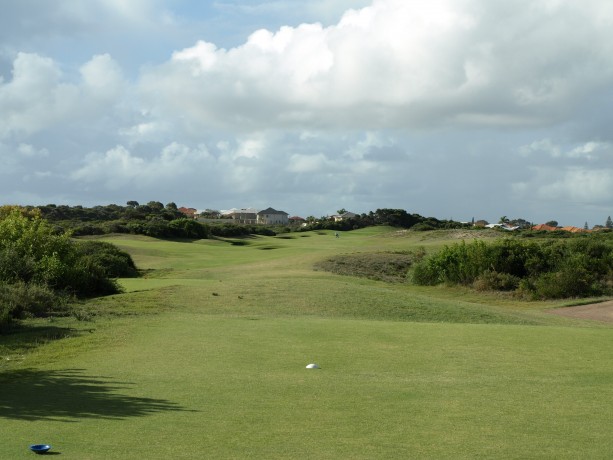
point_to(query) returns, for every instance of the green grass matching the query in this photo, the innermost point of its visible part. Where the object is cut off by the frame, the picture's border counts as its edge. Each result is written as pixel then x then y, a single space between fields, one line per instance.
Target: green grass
pixel 205 358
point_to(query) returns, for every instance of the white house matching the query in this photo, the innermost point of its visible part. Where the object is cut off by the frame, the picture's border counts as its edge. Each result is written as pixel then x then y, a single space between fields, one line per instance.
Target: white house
pixel 343 216
pixel 270 216
pixel 242 216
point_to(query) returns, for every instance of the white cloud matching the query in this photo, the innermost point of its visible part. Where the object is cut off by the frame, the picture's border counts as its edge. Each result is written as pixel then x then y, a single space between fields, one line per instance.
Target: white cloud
pixel 39 96
pixel 541 146
pixel 300 163
pixel 30 151
pixel 591 150
pixel 580 186
pixel 119 167
pixel 398 63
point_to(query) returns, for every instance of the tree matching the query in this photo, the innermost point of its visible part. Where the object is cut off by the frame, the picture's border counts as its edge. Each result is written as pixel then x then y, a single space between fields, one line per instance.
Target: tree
pixel 585 227
pixel 521 223
pixel 552 223
pixel 171 206
pixel 609 223
pixel 503 220
pixel 132 204
pixel 341 211
pixel 155 206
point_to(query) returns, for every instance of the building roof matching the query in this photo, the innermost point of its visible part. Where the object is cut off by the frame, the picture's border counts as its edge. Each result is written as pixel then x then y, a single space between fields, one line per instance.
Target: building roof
pixel 239 211
pixel 271 211
pixel 574 229
pixel 549 228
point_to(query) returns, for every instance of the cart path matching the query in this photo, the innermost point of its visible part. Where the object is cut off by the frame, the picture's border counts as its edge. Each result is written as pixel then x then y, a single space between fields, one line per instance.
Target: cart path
pixel 602 311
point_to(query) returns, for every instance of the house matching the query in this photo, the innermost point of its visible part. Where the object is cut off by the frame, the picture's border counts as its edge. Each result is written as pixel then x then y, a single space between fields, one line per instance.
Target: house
pixel 246 216
pixel 296 220
pixel 546 227
pixel 270 216
pixel 574 229
pixel 343 216
pixel 549 228
pixel 507 227
pixel 188 212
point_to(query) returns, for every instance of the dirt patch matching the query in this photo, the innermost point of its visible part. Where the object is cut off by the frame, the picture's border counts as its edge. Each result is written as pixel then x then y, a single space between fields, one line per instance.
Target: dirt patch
pixel 602 311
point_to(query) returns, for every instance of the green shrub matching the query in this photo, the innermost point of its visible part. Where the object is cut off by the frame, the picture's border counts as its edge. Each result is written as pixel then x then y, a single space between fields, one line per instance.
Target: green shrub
pixel 188 228
pixel 15 266
pixel 495 281
pixel 115 262
pixel 460 263
pixel 554 269
pixel 20 299
pixel 38 266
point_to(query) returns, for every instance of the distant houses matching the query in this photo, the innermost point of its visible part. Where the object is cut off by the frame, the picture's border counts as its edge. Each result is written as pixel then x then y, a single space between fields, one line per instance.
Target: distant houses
pixel 245 216
pixel 549 228
pixel 343 216
pixel 188 212
pixel 251 216
pixel 296 220
pixel 270 216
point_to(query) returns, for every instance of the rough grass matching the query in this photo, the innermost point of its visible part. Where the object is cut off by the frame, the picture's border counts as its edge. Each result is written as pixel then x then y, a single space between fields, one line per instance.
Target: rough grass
pixel 389 267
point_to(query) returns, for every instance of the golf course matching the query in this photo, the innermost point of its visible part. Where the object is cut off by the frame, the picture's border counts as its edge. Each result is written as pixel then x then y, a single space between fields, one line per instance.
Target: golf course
pixel 205 355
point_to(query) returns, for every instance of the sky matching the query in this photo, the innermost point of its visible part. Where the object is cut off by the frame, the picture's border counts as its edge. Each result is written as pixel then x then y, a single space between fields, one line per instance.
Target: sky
pixel 455 109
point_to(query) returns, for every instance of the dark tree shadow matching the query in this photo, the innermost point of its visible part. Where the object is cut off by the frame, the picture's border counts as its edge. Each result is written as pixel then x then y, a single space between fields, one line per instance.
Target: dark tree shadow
pixel 69 395
pixel 25 337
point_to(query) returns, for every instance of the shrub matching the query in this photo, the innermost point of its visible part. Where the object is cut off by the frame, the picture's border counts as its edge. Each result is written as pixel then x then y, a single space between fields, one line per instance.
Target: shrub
pixel 460 263
pixel 555 269
pixel 114 262
pixel 188 228
pixel 38 267
pixel 494 281
pixel 14 266
pixel 20 299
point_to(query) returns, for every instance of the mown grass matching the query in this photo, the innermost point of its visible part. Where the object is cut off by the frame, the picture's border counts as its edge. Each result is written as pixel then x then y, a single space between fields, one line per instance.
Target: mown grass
pixel 205 357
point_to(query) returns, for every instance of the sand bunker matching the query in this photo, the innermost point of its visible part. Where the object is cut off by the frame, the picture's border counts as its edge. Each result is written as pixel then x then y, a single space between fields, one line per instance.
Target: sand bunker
pixel 602 311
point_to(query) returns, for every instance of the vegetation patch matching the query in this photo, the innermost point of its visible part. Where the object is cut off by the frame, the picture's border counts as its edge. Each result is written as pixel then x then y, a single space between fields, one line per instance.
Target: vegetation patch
pixel 552 269
pixel 41 268
pixel 391 267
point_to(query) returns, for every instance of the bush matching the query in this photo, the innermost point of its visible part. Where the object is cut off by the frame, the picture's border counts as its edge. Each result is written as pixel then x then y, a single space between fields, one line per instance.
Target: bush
pixel 555 269
pixel 39 267
pixel 188 228
pixel 18 300
pixel 114 262
pixel 494 281
pixel 14 266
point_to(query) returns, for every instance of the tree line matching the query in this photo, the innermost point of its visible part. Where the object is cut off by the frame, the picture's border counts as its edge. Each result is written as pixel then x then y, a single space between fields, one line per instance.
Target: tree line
pixel 166 221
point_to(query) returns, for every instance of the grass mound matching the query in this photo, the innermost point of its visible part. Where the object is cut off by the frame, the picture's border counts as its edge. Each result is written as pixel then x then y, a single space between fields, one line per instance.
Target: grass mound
pixel 389 267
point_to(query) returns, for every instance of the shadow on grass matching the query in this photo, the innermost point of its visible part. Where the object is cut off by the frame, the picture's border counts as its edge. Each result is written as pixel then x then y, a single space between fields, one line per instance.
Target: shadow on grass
pixel 69 395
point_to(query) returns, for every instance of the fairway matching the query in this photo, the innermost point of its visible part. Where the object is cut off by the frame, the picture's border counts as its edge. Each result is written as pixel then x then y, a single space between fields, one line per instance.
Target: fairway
pixel 205 357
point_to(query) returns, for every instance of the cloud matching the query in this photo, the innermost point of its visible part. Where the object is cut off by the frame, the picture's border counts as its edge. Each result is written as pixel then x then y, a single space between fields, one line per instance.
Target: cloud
pixel 39 96
pixel 30 151
pixel 300 163
pixel 580 185
pixel 398 64
pixel 118 167
pixel 591 150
